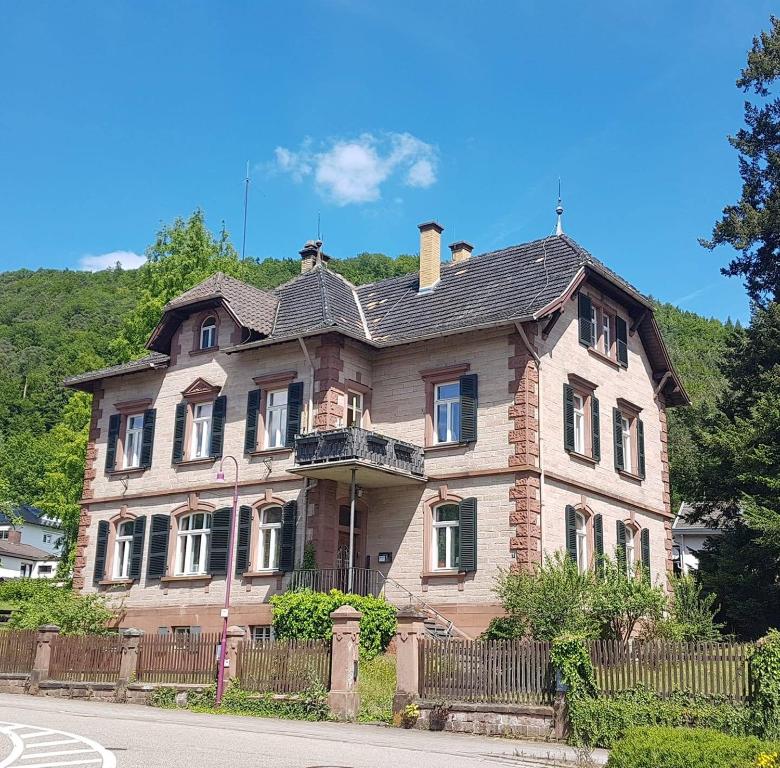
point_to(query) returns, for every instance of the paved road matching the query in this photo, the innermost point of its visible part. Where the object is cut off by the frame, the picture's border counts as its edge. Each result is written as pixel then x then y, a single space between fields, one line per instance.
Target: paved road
pixel 130 736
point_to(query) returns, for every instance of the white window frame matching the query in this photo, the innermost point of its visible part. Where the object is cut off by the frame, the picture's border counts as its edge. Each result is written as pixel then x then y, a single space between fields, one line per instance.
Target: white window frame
pixel 448 526
pixel 630 551
pixel 594 324
pixel 354 408
pixel 4 533
pixel 580 429
pixel 123 547
pixel 185 545
pixel 134 437
pixel 626 439
pixel 452 406
pixel 261 633
pixel 581 530
pixel 274 536
pixel 200 442
pixel 276 419
pixel 47 538
pixel 208 333
pixel 606 333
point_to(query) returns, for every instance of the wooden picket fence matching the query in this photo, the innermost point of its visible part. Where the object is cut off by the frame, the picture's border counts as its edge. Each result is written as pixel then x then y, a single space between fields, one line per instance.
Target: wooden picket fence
pixel 494 671
pixel 283 666
pixel 93 658
pixel 706 668
pixel 176 659
pixel 17 651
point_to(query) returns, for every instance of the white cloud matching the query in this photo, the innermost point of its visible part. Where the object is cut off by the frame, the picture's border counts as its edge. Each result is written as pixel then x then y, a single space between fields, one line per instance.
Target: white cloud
pixel 354 170
pixel 127 259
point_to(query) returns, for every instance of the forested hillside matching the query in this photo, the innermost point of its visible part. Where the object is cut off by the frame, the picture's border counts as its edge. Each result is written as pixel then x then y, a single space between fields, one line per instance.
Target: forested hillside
pixel 56 323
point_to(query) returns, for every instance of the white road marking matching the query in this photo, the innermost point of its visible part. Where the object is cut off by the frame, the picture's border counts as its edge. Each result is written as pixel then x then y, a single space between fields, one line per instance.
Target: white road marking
pixel 25 749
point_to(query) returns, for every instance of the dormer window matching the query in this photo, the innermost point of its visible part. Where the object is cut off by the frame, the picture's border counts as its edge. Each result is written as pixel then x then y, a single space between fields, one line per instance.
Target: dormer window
pixel 208 333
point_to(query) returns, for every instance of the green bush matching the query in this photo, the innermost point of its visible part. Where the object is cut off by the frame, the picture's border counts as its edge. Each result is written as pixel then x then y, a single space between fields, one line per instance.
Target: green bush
pixel 503 628
pixel 764 665
pixel 376 686
pixel 691 614
pixel 305 614
pixel 569 655
pixel 686 748
pixel 602 721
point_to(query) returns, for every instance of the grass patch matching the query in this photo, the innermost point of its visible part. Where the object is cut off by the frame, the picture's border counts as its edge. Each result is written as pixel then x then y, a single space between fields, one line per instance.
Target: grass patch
pixel 376 685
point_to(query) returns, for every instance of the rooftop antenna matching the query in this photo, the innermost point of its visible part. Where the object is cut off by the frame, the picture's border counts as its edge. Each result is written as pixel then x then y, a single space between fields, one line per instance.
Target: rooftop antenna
pixel 246 206
pixel 559 211
pixel 319 234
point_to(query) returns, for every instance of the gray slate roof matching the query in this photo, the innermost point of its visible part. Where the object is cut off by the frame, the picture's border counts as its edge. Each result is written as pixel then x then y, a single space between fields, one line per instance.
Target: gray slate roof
pixel 25 551
pixel 31 516
pixel 146 363
pixel 687 519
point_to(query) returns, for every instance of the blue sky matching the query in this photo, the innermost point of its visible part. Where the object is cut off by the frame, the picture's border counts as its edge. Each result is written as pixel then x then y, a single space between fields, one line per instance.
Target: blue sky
pixel 116 117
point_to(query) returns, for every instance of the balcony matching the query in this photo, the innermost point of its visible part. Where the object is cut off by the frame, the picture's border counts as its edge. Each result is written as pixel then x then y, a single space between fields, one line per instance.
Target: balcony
pixel 364 581
pixel 378 461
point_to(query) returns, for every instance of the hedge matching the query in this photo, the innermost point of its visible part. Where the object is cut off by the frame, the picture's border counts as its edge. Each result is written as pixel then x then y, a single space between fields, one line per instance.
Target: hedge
pixel 689 748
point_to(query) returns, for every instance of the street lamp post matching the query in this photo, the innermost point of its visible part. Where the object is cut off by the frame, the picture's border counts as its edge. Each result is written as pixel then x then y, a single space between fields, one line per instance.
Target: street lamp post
pixel 228 580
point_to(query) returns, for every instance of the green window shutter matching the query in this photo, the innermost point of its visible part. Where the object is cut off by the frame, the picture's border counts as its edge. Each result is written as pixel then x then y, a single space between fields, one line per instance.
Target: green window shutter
pixel 645 548
pixel 620 549
pixel 252 413
pixel 219 545
pixel 101 546
pixel 640 449
pixel 114 423
pixel 568 417
pixel 468 408
pixel 287 544
pixel 467 536
pixel 179 424
pixel 294 411
pixel 157 561
pixel 617 430
pixel 598 542
pixel 571 532
pixel 595 428
pixel 137 547
pixel 244 539
pixel 586 328
pixel 621 334
pixel 147 440
pixel 218 426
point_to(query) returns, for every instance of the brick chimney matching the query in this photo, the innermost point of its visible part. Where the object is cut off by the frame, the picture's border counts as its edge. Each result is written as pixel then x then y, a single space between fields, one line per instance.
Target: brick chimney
pixel 311 255
pixel 14 536
pixel 461 251
pixel 430 255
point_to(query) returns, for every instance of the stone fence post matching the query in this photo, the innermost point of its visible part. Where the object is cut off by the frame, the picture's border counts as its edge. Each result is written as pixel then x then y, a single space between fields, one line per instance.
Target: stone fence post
pixel 343 699
pixel 407 654
pixel 40 670
pixel 235 635
pixel 128 663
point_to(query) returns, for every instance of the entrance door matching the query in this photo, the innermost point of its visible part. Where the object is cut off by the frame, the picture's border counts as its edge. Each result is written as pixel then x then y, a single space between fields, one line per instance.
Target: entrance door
pixel 342 553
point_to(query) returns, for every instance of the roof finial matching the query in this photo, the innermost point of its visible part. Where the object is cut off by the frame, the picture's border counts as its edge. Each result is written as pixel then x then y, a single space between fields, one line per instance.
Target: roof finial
pixel 559 211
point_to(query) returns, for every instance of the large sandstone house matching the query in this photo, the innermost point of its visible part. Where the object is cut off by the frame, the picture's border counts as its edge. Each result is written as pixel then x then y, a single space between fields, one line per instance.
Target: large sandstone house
pixel 486 412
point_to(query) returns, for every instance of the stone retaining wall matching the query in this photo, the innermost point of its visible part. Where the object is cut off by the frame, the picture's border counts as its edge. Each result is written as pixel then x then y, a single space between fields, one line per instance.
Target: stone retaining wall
pixel 516 721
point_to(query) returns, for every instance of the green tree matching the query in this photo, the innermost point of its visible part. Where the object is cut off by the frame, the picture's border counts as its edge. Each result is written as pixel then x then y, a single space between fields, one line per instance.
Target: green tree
pixel 752 226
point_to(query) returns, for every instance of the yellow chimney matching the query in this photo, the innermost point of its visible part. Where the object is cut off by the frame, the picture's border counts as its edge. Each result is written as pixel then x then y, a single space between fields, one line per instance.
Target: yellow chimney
pixel 461 250
pixel 430 255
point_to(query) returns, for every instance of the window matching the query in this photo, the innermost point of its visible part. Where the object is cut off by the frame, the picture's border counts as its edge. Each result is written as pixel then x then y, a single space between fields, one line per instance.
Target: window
pixel 276 419
pixel 446 531
pixel 123 546
pixel 262 632
pixel 25 570
pixel 606 335
pixel 630 553
pixel 183 637
pixel 192 544
pixel 625 437
pixel 4 533
pixel 201 430
pixel 133 440
pixel 354 409
pixel 594 323
pixel 579 423
pixel 208 333
pixel 44 570
pixel 446 413
pixel 47 537
pixel 270 538
pixel 582 542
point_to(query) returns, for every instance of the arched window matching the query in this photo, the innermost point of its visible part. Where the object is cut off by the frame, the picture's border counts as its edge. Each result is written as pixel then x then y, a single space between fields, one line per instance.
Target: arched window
pixel 192 543
pixel 270 538
pixel 446 537
pixel 208 333
pixel 630 552
pixel 123 545
pixel 581 528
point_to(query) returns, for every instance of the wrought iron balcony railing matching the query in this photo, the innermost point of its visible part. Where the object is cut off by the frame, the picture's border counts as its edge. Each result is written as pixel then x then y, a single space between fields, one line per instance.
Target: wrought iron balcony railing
pixel 365 582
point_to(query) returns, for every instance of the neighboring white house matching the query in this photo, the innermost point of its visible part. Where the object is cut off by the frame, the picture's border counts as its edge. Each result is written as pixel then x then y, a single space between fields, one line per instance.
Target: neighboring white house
pixel 29 544
pixel 689 537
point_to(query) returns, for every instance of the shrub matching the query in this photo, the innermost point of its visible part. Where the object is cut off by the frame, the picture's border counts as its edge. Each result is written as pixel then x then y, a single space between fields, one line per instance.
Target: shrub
pixel 305 614
pixel 503 628
pixel 600 722
pixel 691 614
pixel 764 665
pixel 570 657
pixel 686 748
pixel 376 686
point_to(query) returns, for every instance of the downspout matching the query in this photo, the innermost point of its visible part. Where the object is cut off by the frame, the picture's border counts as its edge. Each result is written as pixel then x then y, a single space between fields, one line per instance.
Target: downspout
pixel 307 483
pixel 539 409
